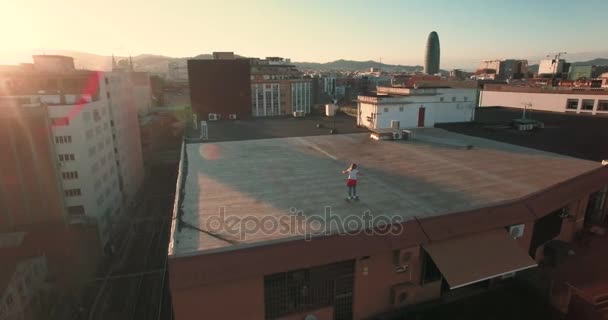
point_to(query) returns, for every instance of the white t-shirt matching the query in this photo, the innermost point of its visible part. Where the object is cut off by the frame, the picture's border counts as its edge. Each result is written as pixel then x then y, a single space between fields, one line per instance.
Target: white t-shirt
pixel 352 174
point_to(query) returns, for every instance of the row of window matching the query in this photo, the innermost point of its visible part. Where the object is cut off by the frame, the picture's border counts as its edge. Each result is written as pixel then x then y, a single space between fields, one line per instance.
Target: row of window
pixel 586 104
pixel 72 192
pixel 70 175
pixel 63 139
pixel 66 157
pixel 441 99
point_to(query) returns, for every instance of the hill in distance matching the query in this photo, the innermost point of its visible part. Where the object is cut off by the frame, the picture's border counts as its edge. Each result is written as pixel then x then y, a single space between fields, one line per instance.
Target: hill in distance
pixel 158 64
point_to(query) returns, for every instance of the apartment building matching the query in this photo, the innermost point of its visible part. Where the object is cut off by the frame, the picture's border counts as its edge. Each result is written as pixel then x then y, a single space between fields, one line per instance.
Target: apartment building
pixel 278 88
pixel 231 88
pixel 94 133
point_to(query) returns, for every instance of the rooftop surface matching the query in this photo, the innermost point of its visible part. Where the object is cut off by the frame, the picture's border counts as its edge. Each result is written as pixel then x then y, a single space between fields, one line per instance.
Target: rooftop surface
pixel 289 179
pixel 265 128
pixel 576 135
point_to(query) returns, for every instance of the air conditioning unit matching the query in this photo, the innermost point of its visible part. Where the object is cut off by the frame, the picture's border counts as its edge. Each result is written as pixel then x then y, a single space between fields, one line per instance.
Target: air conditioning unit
pixel 298 114
pixel 396 135
pixel 405 258
pixel 406 134
pixel 232 116
pixel 516 231
pixel 213 117
pixel 402 294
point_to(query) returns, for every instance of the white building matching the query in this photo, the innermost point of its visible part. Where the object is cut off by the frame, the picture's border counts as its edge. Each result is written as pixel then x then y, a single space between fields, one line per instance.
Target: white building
pixel 95 128
pixel 411 107
pixel 551 66
pixel 578 100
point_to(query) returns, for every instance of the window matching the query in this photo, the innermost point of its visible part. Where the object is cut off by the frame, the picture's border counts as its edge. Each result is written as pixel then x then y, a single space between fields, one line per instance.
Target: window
pixel 466 98
pixel 441 99
pixel 587 104
pixel 89 134
pixel 108 95
pixel 70 175
pixel 71 192
pixel 572 104
pixel 63 139
pixel 309 289
pixel 61 121
pixel 76 210
pixel 385 109
pixel 400 109
pixel 453 99
pixel 602 105
pixel 86 116
pixel 66 157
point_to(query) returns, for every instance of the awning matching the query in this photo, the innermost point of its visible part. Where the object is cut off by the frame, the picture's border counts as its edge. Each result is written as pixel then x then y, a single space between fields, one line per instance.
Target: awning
pixel 471 259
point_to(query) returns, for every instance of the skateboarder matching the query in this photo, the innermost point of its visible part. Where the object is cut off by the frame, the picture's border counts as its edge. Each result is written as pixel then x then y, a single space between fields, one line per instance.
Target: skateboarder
pixel 351 182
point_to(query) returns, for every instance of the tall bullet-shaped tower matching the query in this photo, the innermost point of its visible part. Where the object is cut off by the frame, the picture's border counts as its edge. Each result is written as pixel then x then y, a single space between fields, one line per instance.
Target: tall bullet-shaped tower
pixel 431 58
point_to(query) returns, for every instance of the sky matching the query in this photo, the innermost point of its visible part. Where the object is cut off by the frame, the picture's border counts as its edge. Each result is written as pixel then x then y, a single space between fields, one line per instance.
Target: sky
pixel 311 30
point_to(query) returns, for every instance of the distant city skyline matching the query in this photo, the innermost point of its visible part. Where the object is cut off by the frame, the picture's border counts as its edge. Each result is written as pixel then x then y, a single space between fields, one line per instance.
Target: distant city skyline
pixel 313 31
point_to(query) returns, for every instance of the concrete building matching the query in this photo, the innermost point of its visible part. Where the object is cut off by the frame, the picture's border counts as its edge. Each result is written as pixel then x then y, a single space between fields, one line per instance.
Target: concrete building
pixel 472 217
pixel 586 72
pixel 31 191
pixel 552 67
pixel 95 136
pixel 592 101
pixel 415 107
pixel 220 89
pixel 278 88
pixel 507 69
pixel 458 74
pixel 432 54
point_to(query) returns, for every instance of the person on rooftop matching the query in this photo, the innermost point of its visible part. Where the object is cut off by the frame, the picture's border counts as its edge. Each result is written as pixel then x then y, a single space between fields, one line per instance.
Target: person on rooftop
pixel 351 182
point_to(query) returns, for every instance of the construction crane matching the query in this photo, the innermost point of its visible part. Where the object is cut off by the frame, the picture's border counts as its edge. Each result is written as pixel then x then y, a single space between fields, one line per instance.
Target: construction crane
pixel 556 56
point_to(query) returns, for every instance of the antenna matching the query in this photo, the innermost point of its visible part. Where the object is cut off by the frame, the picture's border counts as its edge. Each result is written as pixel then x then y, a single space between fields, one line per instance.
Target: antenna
pixel 526 106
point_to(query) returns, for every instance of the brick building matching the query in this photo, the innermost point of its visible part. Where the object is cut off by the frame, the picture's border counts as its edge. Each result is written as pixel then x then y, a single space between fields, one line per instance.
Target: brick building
pixel 469 217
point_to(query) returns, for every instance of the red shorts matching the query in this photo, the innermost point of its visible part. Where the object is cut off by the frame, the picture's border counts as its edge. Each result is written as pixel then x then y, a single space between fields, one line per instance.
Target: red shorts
pixel 351 182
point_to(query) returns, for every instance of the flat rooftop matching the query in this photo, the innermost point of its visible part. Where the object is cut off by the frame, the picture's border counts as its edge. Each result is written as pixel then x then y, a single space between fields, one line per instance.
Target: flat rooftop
pixel 576 135
pixel 289 179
